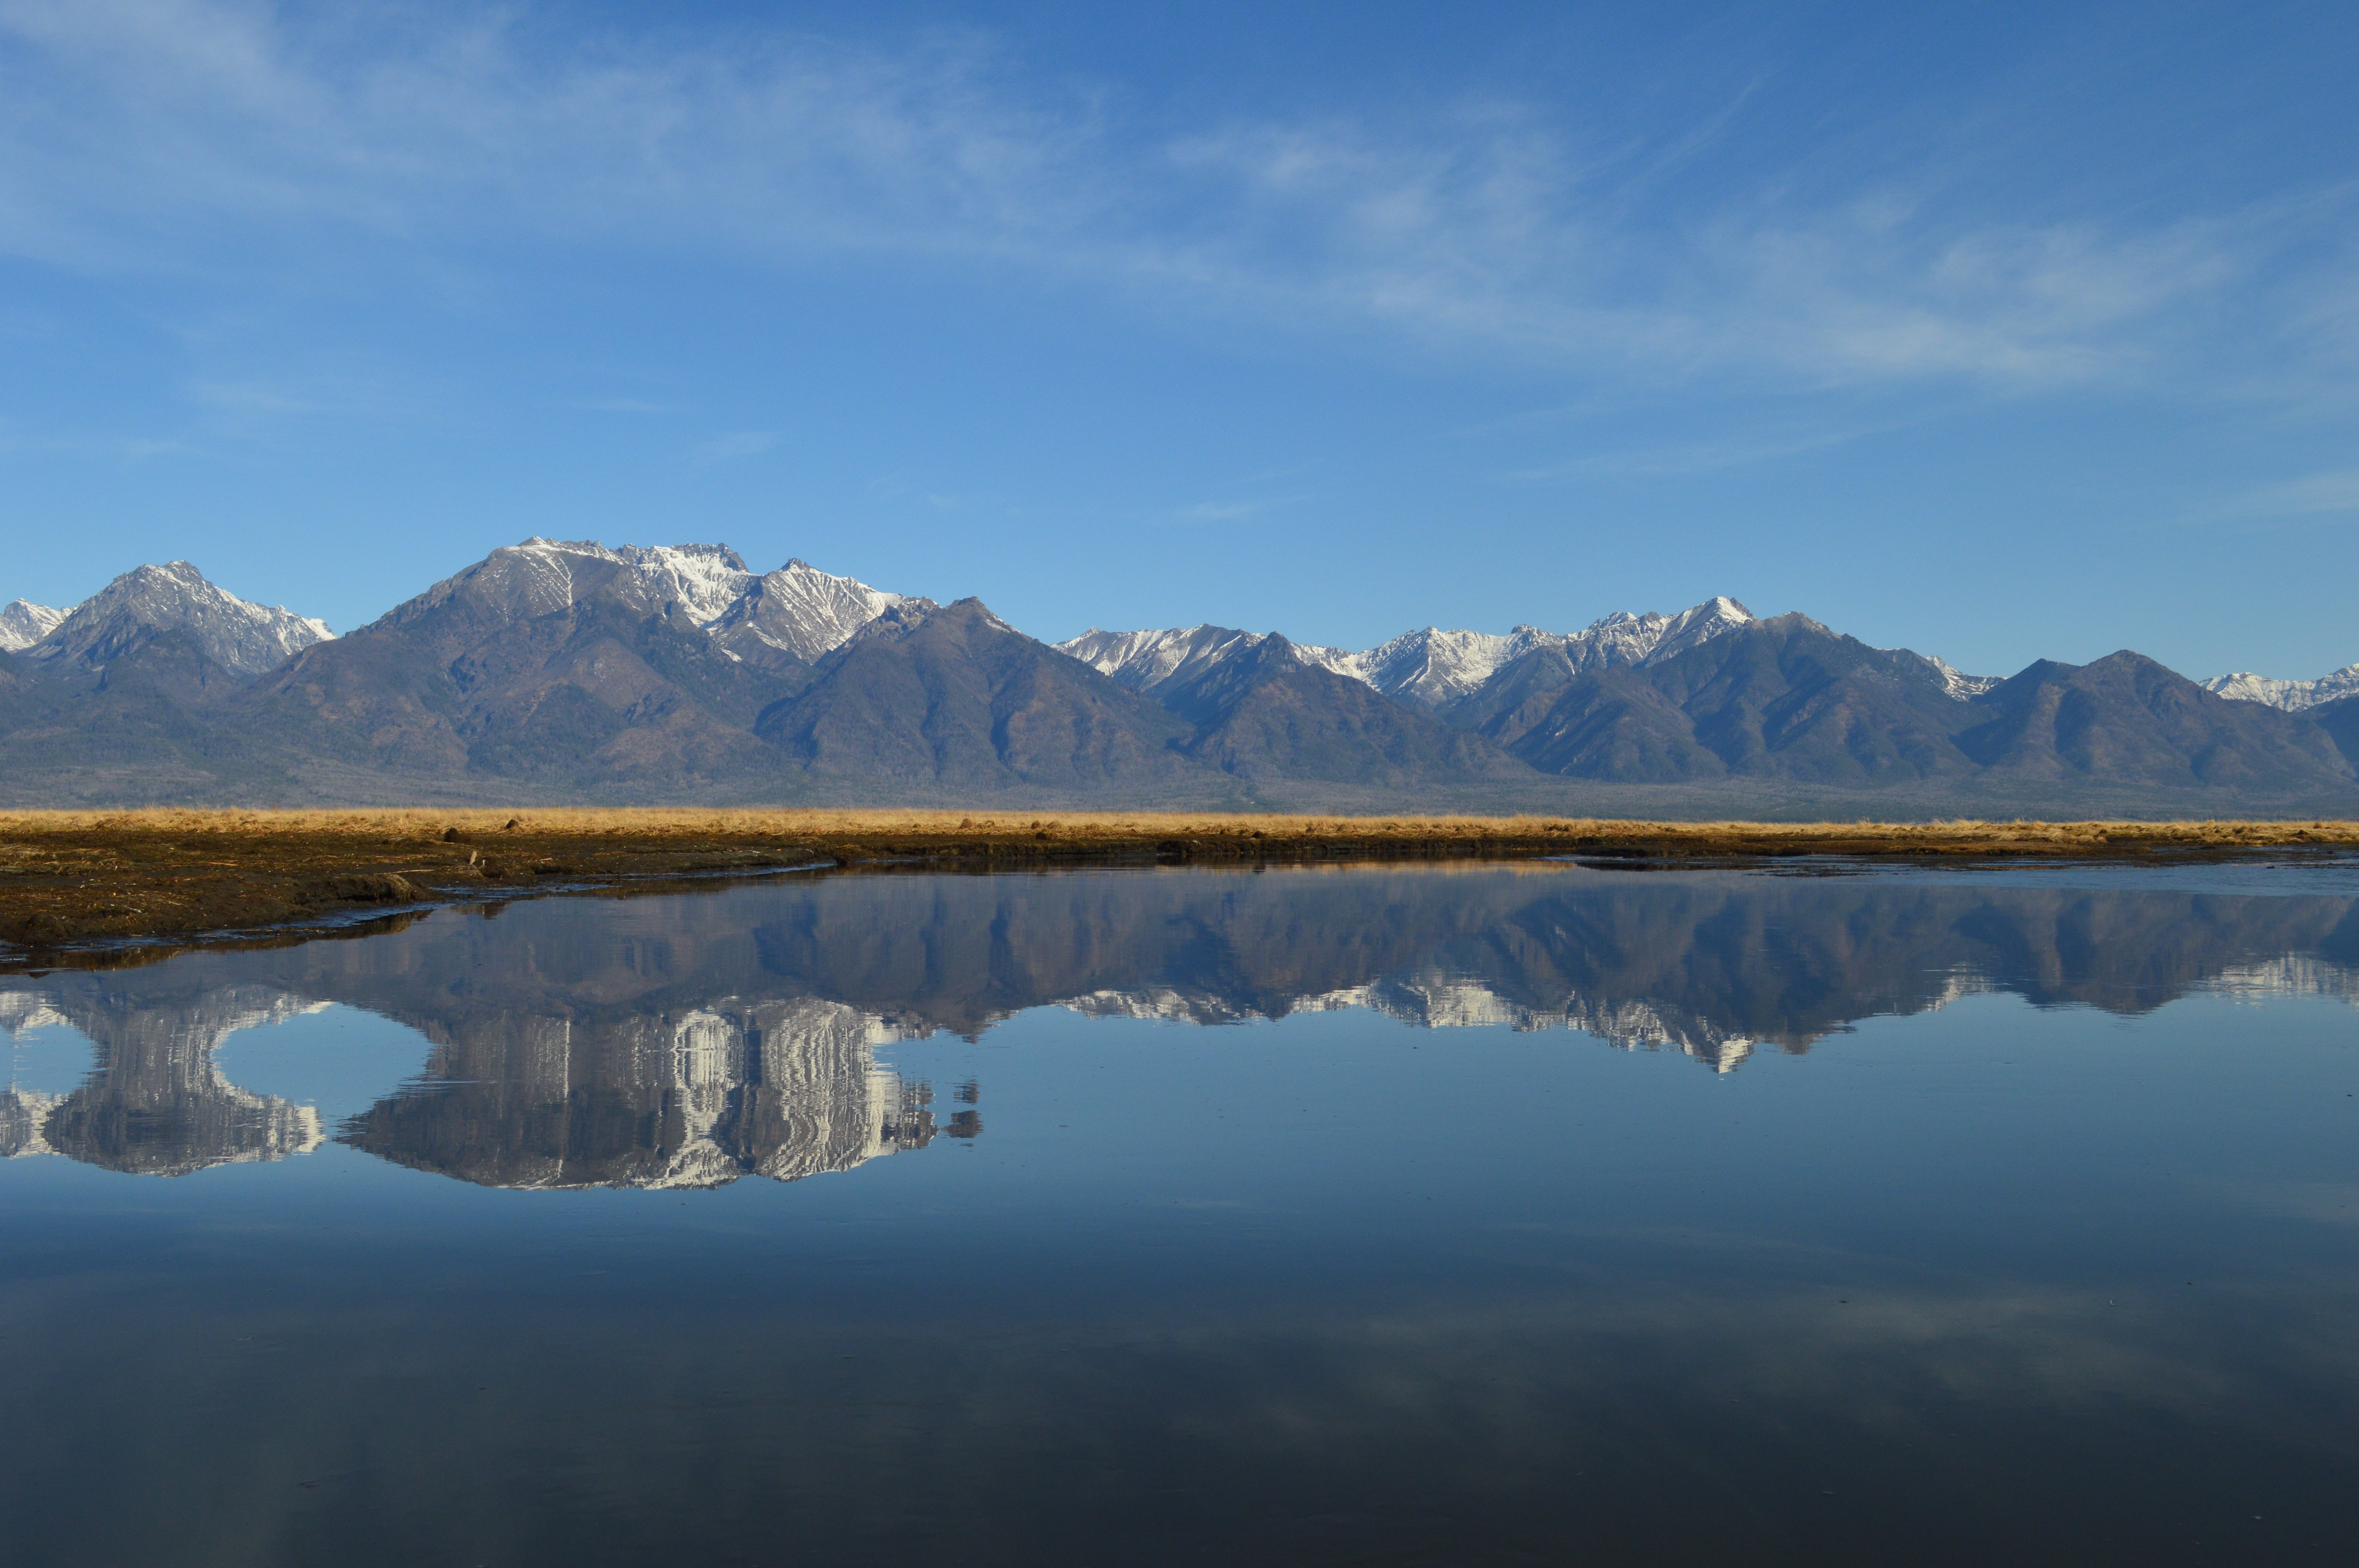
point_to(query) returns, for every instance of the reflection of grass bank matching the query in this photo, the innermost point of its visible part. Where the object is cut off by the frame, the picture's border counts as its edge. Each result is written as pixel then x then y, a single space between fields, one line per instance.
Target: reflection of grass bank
pixel 69 877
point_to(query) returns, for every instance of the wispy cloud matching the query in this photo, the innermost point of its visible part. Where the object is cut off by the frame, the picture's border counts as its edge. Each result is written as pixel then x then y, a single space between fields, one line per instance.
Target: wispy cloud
pixel 203 135
pixel 736 444
pixel 114 446
pixel 2312 495
pixel 1231 511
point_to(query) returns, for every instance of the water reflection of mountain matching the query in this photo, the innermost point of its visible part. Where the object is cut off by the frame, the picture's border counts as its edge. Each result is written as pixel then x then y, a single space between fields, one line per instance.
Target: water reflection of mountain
pixel 155 1103
pixel 783 1089
pixel 691 1040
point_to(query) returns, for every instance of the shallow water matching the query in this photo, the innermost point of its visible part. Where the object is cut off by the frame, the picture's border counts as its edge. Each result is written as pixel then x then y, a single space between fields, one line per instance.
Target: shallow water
pixel 1537 1214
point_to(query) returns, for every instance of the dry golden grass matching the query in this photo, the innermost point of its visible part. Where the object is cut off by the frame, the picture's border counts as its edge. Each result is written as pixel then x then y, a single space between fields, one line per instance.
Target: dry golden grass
pixel 667 823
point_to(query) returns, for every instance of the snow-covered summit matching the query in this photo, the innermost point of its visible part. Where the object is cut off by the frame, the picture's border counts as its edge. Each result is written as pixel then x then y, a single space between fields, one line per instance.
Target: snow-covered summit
pixel 244 638
pixel 801 611
pixel 1146 660
pixel 1432 667
pixel 703 581
pixel 2293 696
pixel 543 575
pixel 1622 638
pixel 797 610
pixel 24 624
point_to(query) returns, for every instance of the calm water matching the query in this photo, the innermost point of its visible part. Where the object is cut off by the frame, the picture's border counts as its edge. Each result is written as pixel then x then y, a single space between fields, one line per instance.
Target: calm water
pixel 1545 1214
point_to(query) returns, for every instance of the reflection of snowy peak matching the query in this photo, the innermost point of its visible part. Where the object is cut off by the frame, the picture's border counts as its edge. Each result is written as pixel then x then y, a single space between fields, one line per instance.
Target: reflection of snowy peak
pixel 2293 975
pixel 21 1010
pixel 782 1089
pixel 22 1114
pixel 2293 696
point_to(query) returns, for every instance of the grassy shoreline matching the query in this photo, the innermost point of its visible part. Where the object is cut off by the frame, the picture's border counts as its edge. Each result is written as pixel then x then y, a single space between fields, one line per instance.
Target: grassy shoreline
pixel 78 878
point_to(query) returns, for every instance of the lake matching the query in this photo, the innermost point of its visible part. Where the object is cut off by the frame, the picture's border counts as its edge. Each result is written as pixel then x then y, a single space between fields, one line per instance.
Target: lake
pixel 1540 1213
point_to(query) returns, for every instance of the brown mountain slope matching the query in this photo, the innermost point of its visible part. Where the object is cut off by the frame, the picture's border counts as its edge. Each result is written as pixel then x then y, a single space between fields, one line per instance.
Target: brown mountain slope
pixel 2125 718
pixel 1264 713
pixel 955 697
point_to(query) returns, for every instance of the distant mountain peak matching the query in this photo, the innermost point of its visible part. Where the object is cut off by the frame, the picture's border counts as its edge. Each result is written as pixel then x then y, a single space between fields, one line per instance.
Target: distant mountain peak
pixel 2292 695
pixel 24 624
pixel 1432 666
pixel 797 611
pixel 802 612
pixel 242 637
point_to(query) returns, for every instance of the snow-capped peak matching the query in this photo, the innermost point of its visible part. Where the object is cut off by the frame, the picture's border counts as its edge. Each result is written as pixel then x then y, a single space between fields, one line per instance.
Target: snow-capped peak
pixel 1622 638
pixel 803 611
pixel 1146 660
pixel 797 610
pixel 242 637
pixel 704 580
pixel 1432 666
pixel 24 624
pixel 2293 696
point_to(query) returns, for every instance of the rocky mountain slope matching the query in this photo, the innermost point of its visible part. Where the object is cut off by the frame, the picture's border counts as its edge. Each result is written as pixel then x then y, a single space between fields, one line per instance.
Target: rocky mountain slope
pixel 152 602
pixel 562 670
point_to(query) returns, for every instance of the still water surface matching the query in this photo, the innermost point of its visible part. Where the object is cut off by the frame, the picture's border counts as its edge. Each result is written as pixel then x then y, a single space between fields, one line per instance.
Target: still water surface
pixel 1543 1214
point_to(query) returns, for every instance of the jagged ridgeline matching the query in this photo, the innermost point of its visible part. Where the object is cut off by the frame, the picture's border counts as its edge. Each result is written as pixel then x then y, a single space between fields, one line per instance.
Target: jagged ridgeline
pixel 556 672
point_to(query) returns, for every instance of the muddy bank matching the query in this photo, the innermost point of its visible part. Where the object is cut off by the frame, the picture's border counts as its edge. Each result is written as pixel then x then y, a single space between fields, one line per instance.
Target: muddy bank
pixel 81 880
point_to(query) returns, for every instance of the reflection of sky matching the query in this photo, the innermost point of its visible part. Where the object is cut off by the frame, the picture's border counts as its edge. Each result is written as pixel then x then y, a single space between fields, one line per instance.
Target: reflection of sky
pixel 1330 1284
pixel 1435 1285
pixel 2294 875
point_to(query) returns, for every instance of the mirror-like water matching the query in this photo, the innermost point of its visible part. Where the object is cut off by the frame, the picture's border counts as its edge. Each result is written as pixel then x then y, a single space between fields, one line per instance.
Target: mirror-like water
pixel 1930 1218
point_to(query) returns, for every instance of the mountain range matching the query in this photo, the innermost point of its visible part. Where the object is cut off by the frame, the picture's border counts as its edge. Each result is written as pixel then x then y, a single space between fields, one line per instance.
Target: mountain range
pixel 556 671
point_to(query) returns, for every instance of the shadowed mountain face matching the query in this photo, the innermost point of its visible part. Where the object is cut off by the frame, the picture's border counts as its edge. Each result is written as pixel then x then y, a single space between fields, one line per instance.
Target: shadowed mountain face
pixel 1788 699
pixel 1266 712
pixel 501 671
pixel 2126 717
pixel 686 1041
pixel 955 697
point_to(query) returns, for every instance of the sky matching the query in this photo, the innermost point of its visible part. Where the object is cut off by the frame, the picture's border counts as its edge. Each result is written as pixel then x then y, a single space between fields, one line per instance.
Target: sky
pixel 1997 331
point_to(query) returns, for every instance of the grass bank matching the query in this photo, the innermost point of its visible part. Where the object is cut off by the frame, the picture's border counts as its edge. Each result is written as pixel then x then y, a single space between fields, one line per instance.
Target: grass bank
pixel 75 879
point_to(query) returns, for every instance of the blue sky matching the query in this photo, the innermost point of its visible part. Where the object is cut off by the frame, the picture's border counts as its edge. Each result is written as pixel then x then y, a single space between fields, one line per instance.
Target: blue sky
pixel 1995 332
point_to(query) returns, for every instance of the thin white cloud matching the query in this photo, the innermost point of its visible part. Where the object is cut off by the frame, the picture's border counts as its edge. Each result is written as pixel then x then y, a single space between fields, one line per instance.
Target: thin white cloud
pixel 1231 511
pixel 2312 495
pixel 736 444
pixel 228 137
